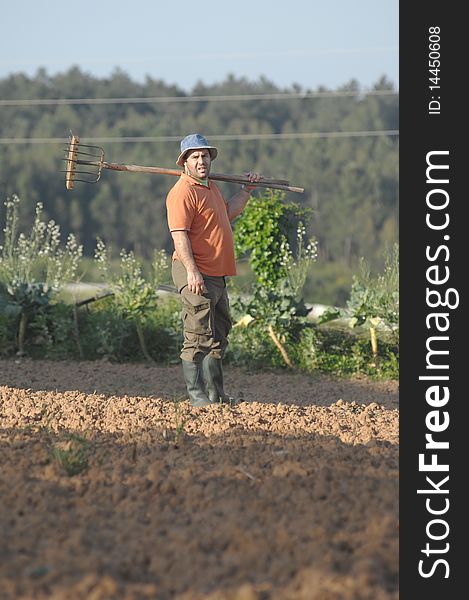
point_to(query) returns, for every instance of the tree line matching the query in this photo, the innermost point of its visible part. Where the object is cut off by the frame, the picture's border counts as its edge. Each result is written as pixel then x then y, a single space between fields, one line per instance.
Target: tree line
pixel 351 182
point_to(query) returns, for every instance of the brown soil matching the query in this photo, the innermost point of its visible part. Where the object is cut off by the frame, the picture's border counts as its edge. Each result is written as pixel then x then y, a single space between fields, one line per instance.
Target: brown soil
pixel 290 495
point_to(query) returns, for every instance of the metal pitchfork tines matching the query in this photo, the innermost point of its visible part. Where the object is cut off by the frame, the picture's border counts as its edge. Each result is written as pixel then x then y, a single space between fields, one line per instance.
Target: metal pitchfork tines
pixel 94 163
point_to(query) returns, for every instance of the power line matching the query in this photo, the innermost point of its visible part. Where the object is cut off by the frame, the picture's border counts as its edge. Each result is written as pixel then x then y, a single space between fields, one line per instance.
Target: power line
pixel 219 137
pixel 177 99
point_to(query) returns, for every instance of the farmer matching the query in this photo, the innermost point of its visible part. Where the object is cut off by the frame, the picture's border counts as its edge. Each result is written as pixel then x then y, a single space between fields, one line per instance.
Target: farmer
pixel 199 221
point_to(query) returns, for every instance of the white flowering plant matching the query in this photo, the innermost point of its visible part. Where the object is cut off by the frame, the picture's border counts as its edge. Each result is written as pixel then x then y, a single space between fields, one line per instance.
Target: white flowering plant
pixel 134 295
pixel 298 262
pixel 33 268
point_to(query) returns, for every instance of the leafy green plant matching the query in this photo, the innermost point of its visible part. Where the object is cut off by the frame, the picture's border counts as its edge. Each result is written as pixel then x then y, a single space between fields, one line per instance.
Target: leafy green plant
pixel 53 333
pixel 105 334
pixel 134 297
pixel 274 236
pixel 266 232
pixel 343 351
pixel 72 454
pixel 278 311
pixel 164 323
pixel 374 301
pixel 33 268
pixel 252 347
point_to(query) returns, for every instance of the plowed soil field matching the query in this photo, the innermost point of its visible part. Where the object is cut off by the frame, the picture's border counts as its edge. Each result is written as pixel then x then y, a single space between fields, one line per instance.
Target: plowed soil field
pixel 112 487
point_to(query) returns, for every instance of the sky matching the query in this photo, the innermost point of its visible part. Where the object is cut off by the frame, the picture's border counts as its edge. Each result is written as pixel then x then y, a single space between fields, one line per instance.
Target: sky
pixel 310 43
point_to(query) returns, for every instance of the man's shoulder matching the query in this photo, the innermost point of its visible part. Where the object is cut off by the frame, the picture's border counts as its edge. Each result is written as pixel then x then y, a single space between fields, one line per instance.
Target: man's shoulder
pixel 180 183
pixel 181 188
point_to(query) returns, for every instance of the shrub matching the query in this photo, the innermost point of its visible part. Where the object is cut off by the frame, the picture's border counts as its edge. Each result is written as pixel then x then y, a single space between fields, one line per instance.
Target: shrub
pixel 33 268
pixel 374 301
pixel 266 232
pixel 273 235
pixel 134 297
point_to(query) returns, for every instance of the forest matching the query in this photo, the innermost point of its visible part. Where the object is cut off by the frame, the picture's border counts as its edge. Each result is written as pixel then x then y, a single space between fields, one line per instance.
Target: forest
pixel 340 145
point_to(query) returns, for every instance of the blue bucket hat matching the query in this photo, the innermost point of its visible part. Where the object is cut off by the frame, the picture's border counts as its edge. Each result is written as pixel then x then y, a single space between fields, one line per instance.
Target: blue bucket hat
pixel 195 141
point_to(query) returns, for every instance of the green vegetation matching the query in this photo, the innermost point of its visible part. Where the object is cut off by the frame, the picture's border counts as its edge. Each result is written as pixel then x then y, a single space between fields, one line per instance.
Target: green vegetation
pixel 133 297
pixel 280 261
pixel 351 182
pixel 26 258
pixel 374 302
pixel 272 324
pixel 71 453
pixel 267 232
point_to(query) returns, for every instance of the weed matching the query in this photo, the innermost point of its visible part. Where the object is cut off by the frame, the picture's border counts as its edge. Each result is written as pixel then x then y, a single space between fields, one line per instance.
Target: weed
pixel 24 259
pixel 180 419
pixel 134 296
pixel 72 454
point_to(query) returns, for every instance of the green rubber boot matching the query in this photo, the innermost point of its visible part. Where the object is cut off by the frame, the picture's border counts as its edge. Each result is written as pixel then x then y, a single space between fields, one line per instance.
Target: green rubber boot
pixel 213 376
pixel 195 384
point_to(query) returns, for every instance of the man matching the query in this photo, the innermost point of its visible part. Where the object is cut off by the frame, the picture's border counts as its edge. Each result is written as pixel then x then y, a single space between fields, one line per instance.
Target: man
pixel 199 220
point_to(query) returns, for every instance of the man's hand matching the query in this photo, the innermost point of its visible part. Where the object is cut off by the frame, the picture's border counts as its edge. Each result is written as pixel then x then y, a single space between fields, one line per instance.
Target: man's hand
pixel 253 178
pixel 195 282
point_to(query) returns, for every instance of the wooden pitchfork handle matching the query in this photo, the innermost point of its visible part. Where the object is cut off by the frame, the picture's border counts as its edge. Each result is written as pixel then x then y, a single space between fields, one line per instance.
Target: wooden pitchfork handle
pixel 278 184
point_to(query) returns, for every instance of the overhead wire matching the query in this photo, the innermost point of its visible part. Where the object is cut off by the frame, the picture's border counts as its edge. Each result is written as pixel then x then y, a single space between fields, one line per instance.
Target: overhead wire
pixel 182 99
pixel 215 137
pixel 219 137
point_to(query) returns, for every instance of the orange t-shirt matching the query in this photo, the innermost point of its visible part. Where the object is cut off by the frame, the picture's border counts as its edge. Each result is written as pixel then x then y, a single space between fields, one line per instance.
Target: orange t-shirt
pixel 203 213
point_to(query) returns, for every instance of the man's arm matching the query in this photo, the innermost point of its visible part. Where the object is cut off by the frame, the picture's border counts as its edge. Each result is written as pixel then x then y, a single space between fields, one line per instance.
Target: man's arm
pixel 182 245
pixel 238 202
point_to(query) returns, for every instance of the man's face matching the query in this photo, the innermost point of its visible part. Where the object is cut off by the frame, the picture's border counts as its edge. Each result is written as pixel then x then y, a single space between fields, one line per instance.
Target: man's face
pixel 198 163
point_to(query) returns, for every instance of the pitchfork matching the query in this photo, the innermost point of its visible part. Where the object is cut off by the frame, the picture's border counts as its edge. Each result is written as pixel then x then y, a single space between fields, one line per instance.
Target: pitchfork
pixel 88 162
